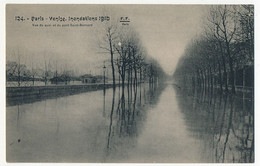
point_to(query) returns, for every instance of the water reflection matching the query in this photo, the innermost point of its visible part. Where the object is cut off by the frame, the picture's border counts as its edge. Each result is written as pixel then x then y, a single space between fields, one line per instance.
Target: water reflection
pixel 100 126
pixel 111 118
pixel 144 124
pixel 224 124
pixel 127 119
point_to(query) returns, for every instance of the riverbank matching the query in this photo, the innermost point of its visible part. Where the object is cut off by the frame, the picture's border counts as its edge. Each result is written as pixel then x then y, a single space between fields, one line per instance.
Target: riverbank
pixel 19 95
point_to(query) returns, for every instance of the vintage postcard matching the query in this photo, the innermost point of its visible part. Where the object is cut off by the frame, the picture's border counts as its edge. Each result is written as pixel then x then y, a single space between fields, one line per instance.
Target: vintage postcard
pixel 130 83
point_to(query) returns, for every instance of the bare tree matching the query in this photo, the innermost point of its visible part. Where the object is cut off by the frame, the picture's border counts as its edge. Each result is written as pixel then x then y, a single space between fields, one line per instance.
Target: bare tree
pixel 107 44
pixel 225 47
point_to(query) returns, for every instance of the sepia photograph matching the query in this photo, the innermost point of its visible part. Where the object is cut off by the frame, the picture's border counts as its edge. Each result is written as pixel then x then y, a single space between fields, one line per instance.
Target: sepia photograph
pixel 130 83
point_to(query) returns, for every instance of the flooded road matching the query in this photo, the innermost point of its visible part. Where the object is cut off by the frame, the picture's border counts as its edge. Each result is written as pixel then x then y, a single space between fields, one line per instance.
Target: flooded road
pixel 147 124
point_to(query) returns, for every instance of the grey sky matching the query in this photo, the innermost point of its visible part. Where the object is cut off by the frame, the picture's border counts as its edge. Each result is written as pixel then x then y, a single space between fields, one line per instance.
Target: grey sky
pixel 165 30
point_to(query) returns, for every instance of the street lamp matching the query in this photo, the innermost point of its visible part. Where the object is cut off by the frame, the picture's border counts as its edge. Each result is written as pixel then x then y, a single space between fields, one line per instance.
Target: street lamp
pixel 104 74
pixel 120 45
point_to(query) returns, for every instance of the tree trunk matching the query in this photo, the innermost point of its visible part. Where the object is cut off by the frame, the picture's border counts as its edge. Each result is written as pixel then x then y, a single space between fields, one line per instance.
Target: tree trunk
pixel 123 81
pixel 231 68
pixel 140 79
pixel 235 77
pixel 244 78
pixel 224 66
pixel 112 61
pixel 220 77
pixel 232 76
pixel 198 78
pixel 211 78
pixel 202 79
pixel 119 79
pixel 135 79
pixel 128 78
pixel 131 78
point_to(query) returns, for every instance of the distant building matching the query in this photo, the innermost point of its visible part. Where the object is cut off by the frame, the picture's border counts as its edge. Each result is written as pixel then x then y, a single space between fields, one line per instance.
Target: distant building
pixel 56 80
pixel 60 79
pixel 88 78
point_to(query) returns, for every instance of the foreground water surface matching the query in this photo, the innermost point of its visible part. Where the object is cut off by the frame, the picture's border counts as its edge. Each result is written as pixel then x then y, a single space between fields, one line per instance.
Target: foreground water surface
pixel 149 124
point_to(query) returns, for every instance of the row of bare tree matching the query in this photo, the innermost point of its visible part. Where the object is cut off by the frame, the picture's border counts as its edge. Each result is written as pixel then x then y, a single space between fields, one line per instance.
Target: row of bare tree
pixel 225 49
pixel 129 59
pixel 20 73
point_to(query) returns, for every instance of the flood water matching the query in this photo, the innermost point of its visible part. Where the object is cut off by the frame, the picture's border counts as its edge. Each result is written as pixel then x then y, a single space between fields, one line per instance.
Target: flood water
pixel 150 124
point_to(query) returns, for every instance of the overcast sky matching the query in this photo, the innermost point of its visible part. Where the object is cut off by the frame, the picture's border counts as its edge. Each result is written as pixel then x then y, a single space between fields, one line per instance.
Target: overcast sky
pixel 165 30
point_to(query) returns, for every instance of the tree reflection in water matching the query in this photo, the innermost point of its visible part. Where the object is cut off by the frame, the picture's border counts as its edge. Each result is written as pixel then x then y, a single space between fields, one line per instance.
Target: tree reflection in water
pixel 127 117
pixel 223 123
